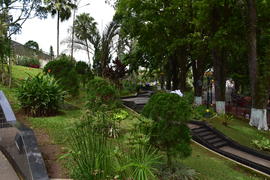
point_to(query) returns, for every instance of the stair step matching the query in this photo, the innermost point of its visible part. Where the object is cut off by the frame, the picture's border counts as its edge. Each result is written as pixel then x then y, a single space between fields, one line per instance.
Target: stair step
pixel 220 144
pixel 198 130
pixel 212 136
pixel 214 140
pixel 205 133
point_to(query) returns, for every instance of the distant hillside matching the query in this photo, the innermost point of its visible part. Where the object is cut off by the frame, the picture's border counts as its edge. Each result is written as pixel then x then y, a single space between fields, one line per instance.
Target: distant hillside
pixel 21 50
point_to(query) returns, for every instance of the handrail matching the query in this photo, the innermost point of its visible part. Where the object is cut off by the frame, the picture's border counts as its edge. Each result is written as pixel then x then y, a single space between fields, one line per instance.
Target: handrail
pixel 10 117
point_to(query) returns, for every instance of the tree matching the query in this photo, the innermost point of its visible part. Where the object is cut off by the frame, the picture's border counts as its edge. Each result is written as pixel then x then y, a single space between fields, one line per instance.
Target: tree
pixel 258 60
pixel 13 14
pixel 51 53
pixel 169 132
pixel 32 44
pixel 84 29
pixel 60 8
pixel 161 31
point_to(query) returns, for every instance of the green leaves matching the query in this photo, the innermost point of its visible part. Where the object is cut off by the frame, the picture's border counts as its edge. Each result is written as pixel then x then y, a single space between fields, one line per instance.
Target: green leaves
pixel 102 95
pixel 262 143
pixel 63 69
pixel 40 95
pixel 169 132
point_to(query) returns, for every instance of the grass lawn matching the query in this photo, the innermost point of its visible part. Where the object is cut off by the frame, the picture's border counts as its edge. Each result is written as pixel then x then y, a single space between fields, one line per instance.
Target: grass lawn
pixel 21 72
pixel 213 167
pixel 239 130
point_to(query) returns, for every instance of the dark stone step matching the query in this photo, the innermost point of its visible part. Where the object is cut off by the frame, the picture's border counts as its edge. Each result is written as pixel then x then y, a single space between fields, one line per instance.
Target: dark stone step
pixel 214 140
pixel 220 144
pixel 198 130
pixel 205 133
pixel 211 136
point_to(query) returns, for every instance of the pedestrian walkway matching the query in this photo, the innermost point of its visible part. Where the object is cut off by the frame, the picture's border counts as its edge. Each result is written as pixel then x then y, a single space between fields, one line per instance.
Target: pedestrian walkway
pixel 6 170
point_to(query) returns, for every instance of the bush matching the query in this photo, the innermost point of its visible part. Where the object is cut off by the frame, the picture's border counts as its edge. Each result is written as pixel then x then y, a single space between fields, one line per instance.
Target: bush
pixel 169 131
pixel 262 143
pixel 84 71
pixel 129 87
pixel 102 95
pixel 40 95
pixel 139 163
pixel 28 62
pixel 91 153
pixel 63 69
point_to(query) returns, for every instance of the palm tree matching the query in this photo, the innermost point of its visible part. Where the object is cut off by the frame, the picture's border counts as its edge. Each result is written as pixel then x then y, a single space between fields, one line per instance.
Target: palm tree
pixel 61 8
pixel 101 46
pixel 107 45
pixel 85 29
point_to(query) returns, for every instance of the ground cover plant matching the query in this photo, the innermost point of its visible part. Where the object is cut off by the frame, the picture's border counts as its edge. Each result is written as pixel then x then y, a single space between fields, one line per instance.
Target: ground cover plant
pixel 40 95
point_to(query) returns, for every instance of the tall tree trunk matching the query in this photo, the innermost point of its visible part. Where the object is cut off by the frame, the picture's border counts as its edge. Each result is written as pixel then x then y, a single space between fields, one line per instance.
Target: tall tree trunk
pixel 183 67
pixel 58 22
pixel 198 70
pixel 219 58
pixel 218 55
pixel 252 43
pixel 175 72
pixel 88 53
pixel 168 73
pixel 258 117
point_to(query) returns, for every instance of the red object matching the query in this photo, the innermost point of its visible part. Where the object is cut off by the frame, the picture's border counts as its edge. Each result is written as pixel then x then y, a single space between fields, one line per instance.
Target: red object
pixel 34 66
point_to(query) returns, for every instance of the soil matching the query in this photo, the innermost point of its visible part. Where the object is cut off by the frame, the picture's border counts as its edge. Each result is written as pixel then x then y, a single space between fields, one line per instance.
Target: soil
pixel 50 151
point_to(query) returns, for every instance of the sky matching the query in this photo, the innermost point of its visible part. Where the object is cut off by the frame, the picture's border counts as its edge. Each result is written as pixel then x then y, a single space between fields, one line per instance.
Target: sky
pixel 44 31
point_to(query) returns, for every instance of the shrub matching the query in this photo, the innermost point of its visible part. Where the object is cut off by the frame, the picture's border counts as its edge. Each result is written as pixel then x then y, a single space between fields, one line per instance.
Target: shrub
pixel 139 163
pixel 263 144
pixel 102 95
pixel 28 62
pixel 63 69
pixel 40 95
pixel 91 153
pixel 129 87
pixel 169 131
pixel 84 71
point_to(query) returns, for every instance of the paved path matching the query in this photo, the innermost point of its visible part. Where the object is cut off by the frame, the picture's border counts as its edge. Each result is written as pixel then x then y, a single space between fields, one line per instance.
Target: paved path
pixel 6 170
pixel 247 156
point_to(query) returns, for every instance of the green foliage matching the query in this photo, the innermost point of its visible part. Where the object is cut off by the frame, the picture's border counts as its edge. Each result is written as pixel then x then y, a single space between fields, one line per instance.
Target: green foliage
pixel 225 119
pixel 40 95
pixel 105 123
pixel 129 86
pixel 84 71
pixel 102 95
pixel 139 163
pixel 91 153
pixel 28 62
pixel 180 172
pixel 63 69
pixel 32 44
pixel 169 131
pixel 262 143
pixel 198 112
